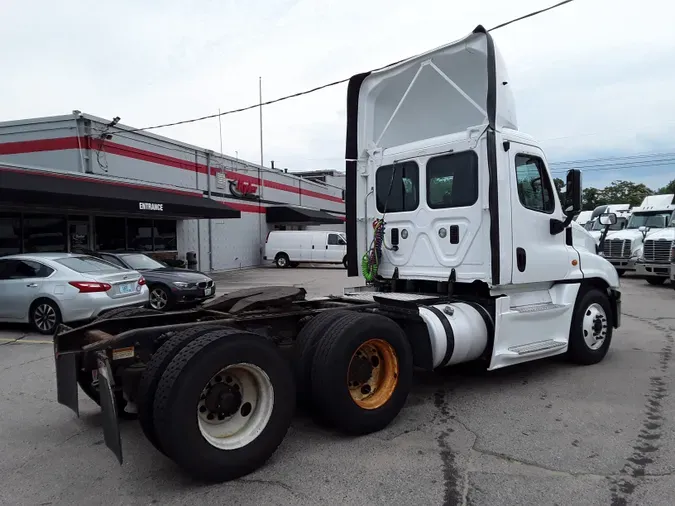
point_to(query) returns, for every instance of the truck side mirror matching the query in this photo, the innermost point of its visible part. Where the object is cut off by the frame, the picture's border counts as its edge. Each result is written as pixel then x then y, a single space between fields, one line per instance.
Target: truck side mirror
pixel 642 229
pixel 573 192
pixel 607 219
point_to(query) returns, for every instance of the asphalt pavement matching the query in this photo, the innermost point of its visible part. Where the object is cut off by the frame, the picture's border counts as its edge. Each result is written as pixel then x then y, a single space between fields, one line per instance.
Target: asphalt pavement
pixel 544 433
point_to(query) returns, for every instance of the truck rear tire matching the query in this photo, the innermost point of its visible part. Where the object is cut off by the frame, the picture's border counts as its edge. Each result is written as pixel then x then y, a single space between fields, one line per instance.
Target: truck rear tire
pixel 362 373
pixel 152 375
pixel 653 280
pixel 591 330
pixel 305 348
pixel 224 404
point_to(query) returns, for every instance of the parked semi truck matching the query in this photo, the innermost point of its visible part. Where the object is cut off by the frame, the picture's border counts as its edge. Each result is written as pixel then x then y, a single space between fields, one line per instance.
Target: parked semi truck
pixel 467 254
pixel 595 227
pixel 624 247
pixel 659 238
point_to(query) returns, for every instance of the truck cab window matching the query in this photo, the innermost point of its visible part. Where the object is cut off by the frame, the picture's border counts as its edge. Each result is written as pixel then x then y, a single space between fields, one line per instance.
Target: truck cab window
pixel 452 180
pixel 333 240
pixel 397 187
pixel 534 186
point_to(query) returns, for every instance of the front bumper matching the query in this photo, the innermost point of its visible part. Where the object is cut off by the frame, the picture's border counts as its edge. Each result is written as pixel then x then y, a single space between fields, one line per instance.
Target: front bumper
pixel 186 296
pixel 626 264
pixel 653 269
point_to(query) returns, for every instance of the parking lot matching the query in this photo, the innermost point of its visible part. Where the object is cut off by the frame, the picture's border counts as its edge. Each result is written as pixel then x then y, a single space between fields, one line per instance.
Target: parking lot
pixel 543 433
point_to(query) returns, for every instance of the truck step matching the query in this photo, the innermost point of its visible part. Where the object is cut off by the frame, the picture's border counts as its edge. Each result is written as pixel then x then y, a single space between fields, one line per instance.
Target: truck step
pixel 537 347
pixel 535 308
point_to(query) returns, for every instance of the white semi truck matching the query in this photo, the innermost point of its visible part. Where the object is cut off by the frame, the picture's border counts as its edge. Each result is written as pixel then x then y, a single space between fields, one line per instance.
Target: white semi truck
pixel 624 248
pixel 596 228
pixel 468 256
pixel 659 239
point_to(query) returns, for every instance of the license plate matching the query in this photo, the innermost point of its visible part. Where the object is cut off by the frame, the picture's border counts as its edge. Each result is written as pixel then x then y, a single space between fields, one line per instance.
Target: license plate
pixel 208 291
pixel 127 288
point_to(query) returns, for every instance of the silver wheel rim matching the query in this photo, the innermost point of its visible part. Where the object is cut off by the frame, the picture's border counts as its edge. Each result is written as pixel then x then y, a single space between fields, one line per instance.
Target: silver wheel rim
pixel 235 406
pixel 45 317
pixel 281 262
pixel 158 299
pixel 594 326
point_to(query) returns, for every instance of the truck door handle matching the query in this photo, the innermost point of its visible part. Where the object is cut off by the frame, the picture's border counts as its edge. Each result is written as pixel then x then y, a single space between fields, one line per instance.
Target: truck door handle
pixel 521 259
pixel 326 246
pixel 32 285
pixel 312 246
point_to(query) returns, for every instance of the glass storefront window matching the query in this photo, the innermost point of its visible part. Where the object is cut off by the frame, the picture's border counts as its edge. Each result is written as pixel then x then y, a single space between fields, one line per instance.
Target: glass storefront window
pixel 78 232
pixel 42 232
pixel 139 234
pixel 10 233
pixel 165 235
pixel 110 233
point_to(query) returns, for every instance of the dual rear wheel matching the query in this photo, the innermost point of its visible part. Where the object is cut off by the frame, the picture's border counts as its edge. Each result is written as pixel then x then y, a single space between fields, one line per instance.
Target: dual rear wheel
pixel 354 370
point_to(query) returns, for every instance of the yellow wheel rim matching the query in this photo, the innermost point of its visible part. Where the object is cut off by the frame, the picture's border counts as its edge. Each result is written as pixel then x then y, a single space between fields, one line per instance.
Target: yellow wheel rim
pixel 372 375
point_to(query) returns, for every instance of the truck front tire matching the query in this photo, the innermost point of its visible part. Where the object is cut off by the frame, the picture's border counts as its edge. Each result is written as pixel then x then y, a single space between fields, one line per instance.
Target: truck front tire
pixel 224 404
pixel 361 373
pixel 656 281
pixel 591 330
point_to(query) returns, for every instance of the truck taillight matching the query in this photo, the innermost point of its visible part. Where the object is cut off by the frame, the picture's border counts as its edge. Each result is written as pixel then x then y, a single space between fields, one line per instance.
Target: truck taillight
pixel 90 286
pixel 141 281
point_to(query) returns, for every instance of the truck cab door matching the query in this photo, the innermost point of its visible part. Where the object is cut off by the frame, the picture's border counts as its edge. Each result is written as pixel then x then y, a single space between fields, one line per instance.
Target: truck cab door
pixel 537 254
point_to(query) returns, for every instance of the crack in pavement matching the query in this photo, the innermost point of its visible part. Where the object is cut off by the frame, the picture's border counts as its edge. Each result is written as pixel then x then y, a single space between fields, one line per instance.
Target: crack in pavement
pixel 647 442
pixel 25 363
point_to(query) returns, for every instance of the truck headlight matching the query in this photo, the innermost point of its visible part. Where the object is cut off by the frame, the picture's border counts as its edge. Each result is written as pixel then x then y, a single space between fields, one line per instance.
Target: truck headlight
pixel 637 254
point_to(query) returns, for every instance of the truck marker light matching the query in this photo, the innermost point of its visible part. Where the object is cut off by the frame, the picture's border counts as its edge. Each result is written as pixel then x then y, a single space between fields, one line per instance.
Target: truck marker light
pixel 574 262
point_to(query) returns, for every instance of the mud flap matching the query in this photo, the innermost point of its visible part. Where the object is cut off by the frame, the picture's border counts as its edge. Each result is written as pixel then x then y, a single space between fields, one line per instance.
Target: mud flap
pixel 66 381
pixel 111 428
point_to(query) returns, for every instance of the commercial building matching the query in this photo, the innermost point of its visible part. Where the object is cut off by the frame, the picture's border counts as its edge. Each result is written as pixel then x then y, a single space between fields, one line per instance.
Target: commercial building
pixel 82 181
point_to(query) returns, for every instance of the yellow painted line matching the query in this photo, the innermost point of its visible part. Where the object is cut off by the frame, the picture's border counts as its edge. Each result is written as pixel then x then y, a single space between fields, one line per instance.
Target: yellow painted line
pixel 24 341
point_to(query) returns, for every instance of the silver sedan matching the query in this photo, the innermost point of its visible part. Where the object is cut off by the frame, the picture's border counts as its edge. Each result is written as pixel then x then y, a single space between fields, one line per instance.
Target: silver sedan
pixel 45 289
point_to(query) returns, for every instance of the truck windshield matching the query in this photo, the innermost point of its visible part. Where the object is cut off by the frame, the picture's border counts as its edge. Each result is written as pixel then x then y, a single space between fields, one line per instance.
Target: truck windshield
pixel 651 219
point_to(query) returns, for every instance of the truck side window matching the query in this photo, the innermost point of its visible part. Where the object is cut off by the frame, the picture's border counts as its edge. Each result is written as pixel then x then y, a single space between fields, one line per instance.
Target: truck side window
pixel 397 187
pixel 333 240
pixel 534 186
pixel 452 180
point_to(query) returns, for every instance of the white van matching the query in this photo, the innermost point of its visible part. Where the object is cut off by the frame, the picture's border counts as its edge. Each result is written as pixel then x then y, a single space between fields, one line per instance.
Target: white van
pixel 288 248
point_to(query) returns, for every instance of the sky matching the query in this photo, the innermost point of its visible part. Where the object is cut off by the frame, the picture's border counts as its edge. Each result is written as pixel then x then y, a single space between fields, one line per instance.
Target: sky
pixel 591 79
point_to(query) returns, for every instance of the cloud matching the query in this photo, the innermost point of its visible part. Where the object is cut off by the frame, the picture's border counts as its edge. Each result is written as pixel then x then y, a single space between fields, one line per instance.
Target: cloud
pixel 590 78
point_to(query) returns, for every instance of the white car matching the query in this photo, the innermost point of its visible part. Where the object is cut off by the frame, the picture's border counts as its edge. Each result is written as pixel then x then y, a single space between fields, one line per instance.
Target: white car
pixel 45 289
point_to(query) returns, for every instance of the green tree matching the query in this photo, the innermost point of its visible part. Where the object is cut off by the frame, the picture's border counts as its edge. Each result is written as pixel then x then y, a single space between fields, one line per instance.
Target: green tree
pixel 669 188
pixel 591 198
pixel 625 192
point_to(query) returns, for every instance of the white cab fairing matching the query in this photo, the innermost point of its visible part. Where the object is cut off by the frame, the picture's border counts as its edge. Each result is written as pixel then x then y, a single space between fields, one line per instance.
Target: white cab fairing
pixel 435 108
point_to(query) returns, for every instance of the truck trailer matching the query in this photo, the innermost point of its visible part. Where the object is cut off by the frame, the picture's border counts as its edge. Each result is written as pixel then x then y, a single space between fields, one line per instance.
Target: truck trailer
pixel 467 253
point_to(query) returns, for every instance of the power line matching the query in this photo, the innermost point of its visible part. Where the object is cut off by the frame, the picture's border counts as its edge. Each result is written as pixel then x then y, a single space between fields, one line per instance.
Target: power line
pixel 323 86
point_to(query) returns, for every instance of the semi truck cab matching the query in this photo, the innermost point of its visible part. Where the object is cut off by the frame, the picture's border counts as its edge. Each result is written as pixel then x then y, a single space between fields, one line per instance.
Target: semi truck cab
pixel 624 248
pixel 445 194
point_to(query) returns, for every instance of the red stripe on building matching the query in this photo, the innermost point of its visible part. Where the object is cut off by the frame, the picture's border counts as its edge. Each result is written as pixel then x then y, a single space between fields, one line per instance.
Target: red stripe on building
pixel 15 148
pixel 63 143
pixel 244 208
